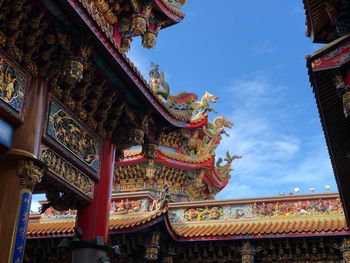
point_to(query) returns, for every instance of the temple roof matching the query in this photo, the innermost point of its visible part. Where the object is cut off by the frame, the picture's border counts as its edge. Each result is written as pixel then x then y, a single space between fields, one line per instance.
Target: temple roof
pixel 324 67
pixel 307 215
pixel 87 15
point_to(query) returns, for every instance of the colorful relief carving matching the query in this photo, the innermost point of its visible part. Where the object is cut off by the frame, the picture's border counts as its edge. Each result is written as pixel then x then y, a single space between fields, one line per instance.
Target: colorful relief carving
pixel 199 214
pixel 51 213
pixel 259 210
pixel 12 86
pixel 67 132
pixel 126 206
pixel 61 168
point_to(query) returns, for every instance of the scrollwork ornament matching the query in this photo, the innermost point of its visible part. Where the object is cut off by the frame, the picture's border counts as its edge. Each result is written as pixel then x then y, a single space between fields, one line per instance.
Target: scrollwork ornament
pixel 29 173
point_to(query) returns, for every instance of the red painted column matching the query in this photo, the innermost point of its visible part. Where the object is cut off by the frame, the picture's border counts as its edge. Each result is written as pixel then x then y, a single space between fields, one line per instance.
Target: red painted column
pixel 93 219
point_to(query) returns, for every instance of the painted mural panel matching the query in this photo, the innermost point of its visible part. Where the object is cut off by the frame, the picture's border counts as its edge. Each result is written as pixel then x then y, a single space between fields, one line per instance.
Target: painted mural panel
pixel 63 169
pixel 13 84
pixel 125 206
pixel 258 210
pixel 66 131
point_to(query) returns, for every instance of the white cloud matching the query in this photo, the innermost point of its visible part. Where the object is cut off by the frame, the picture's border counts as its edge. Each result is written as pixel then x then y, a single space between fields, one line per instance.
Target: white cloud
pixel 275 159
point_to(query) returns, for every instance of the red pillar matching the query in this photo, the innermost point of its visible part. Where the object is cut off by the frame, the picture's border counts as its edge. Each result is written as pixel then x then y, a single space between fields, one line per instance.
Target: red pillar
pixel 93 219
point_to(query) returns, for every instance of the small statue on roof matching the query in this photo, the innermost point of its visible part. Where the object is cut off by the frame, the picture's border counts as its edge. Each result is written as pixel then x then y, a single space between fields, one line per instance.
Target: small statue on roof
pixel 163 197
pixel 157 82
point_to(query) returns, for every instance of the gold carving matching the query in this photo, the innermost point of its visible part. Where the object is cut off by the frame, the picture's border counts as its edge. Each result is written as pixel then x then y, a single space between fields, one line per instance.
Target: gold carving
pixel 29 173
pixel 66 171
pixel 7 83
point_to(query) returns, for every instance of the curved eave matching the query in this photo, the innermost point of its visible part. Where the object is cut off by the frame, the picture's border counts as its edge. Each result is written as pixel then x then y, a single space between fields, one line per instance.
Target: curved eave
pixel 172 13
pixel 213 178
pixel 121 60
pixel 162 159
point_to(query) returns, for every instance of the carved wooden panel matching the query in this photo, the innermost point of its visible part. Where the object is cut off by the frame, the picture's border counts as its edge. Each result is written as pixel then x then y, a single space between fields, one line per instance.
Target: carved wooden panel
pixel 61 168
pixel 72 139
pixel 13 85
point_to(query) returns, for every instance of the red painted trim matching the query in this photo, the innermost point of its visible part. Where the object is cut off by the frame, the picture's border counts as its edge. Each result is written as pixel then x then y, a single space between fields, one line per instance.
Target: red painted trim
pixel 160 158
pixel 93 219
pixel 124 64
pixel 168 12
pixel 199 124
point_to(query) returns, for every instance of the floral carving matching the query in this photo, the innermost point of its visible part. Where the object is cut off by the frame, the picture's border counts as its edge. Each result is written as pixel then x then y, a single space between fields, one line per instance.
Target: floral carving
pixel 29 173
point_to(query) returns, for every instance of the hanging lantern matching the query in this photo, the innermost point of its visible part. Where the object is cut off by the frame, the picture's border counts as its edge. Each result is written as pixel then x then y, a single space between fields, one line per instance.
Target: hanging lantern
pixel 126 43
pixel 138 25
pixel 149 39
pixel 136 137
pixel 150 150
pixel 73 70
pixel 151 170
pixel 152 248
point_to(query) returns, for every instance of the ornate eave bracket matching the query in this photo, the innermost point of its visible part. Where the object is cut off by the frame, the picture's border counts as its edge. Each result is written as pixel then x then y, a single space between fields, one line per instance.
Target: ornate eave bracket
pixel 30 170
pixel 343 91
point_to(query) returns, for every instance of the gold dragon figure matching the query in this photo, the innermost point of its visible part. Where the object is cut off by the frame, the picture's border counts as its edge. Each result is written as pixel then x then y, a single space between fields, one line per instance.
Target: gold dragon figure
pixel 203 105
pixel 218 125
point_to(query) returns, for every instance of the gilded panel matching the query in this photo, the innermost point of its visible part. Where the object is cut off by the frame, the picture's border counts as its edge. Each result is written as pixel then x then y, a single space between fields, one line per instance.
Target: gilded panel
pixel 65 130
pixel 13 84
pixel 64 170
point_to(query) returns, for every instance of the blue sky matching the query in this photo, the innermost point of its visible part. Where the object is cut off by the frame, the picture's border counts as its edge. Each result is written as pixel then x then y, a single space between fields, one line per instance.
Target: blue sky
pixel 252 56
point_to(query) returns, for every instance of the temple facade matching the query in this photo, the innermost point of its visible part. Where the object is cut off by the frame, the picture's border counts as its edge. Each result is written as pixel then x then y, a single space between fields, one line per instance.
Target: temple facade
pixel 128 168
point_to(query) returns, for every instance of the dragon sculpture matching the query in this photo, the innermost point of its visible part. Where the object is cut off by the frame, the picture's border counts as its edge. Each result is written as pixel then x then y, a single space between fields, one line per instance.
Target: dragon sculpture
pixel 198 145
pixel 203 105
pixel 157 82
pixel 182 100
pixel 223 171
pixel 217 126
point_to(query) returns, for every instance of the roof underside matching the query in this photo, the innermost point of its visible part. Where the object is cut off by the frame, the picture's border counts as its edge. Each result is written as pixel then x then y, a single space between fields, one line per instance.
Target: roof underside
pixel 318 26
pixel 335 126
